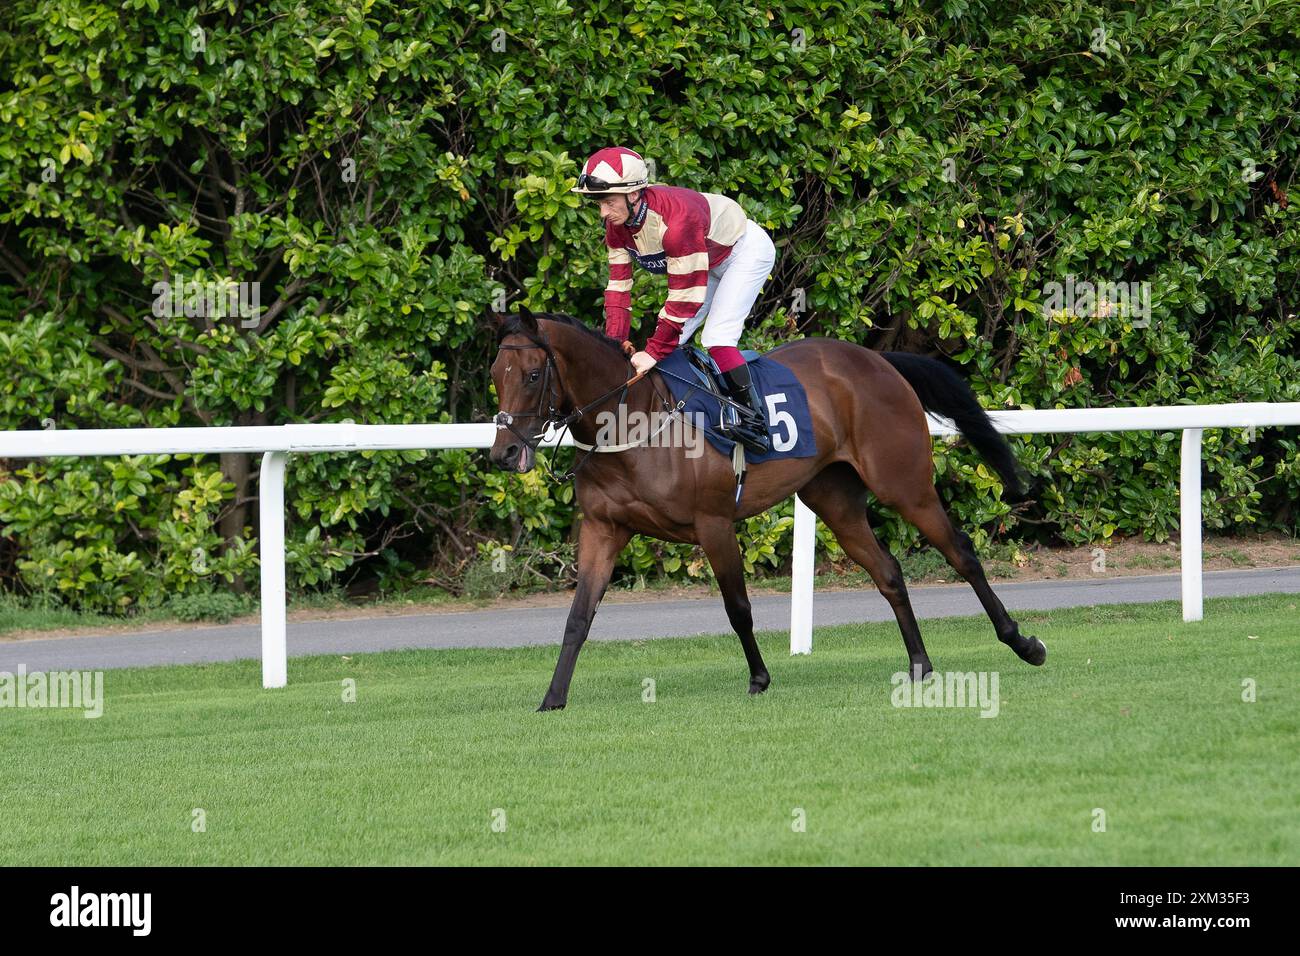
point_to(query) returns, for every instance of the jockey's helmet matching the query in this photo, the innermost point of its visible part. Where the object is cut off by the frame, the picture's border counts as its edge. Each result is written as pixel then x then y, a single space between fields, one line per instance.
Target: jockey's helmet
pixel 614 169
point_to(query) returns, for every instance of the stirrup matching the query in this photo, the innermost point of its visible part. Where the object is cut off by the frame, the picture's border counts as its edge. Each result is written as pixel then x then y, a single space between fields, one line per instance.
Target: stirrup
pixel 759 443
pixel 754 437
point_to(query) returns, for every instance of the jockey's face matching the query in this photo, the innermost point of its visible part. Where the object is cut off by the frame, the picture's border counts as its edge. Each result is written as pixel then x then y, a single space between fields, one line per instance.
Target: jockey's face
pixel 613 209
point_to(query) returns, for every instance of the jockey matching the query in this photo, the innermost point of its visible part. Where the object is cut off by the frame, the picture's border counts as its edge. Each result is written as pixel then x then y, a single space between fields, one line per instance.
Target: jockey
pixel 716 258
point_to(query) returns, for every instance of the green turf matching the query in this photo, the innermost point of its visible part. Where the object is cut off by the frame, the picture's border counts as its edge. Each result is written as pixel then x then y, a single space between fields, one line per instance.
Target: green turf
pixel 1135 713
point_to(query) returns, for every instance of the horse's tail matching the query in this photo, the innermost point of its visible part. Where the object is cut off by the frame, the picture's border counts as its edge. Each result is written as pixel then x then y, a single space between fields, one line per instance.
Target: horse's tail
pixel 944 392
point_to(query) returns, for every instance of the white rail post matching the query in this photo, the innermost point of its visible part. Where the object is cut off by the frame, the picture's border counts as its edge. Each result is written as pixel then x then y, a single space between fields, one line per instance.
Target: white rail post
pixel 801 581
pixel 275 648
pixel 1189 524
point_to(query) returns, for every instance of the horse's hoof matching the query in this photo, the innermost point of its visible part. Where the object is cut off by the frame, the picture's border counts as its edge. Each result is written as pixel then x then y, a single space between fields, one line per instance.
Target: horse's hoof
pixel 548 705
pixel 760 683
pixel 1035 654
pixel 919 671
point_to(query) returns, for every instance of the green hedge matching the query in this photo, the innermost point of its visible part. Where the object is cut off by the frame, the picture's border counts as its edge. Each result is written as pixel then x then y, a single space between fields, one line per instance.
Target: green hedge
pixel 391 171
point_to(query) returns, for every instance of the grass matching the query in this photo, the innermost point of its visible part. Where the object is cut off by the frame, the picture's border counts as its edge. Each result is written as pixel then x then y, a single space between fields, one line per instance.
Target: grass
pixel 1160 562
pixel 1135 713
pixel 1237 557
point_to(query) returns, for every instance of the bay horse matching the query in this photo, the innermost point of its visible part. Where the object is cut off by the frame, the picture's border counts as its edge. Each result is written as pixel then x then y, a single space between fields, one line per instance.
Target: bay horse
pixel 868 413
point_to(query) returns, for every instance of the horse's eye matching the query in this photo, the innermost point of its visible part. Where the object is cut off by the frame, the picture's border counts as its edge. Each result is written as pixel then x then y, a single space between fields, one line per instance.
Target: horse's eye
pixel 533 376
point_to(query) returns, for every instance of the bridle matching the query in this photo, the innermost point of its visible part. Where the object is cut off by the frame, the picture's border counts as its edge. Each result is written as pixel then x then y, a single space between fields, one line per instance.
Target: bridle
pixel 554 425
pixel 506 419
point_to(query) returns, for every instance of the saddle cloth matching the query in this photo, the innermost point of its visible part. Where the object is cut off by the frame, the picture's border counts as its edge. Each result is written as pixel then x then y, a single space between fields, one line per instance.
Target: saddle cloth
pixel 789 423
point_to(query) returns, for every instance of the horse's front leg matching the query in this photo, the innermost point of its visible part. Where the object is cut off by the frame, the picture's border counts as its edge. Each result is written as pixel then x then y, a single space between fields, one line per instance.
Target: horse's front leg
pixel 718 538
pixel 599 543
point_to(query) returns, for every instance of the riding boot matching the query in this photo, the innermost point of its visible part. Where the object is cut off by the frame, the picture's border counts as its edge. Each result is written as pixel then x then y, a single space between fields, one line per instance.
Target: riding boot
pixel 751 430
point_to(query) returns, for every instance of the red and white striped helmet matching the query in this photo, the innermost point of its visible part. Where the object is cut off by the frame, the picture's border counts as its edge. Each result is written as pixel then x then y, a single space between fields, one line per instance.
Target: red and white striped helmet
pixel 613 170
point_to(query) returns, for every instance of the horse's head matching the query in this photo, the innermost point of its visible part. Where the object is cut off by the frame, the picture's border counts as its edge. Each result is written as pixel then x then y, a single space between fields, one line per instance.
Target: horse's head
pixel 528 390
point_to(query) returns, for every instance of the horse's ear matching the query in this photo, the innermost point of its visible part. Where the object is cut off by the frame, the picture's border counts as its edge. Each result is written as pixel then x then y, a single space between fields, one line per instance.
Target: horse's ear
pixel 527 319
pixel 496 320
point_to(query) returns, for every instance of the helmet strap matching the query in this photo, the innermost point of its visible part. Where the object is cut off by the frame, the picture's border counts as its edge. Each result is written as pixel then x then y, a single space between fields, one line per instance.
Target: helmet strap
pixel 635 216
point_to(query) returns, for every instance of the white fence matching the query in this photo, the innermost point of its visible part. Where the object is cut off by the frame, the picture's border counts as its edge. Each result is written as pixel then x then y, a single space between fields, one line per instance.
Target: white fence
pixel 276 443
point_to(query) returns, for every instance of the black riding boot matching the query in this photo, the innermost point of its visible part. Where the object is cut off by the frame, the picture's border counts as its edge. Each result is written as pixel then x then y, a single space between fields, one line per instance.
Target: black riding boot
pixel 752 429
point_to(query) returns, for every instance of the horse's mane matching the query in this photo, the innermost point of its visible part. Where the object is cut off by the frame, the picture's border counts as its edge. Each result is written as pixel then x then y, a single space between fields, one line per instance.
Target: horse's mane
pixel 513 325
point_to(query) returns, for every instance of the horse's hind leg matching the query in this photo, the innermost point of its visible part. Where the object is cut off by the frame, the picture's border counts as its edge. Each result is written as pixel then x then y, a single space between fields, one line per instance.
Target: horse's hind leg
pixel 838 496
pixel 926 511
pixel 718 538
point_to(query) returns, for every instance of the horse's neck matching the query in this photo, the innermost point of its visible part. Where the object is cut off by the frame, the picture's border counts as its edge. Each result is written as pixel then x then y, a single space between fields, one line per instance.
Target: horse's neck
pixel 588 371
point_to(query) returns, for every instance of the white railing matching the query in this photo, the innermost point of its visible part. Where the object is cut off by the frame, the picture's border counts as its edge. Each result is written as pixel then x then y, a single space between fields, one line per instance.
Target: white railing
pixel 276 443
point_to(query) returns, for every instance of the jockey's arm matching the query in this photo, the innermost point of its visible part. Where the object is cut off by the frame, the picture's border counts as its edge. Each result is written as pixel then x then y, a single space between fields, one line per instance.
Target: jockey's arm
pixel 618 295
pixel 688 279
